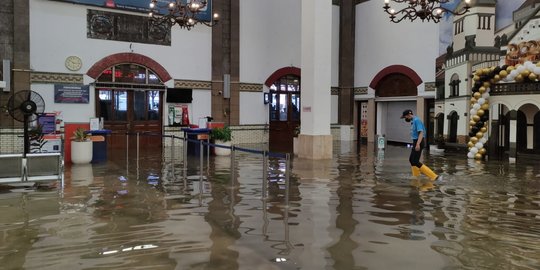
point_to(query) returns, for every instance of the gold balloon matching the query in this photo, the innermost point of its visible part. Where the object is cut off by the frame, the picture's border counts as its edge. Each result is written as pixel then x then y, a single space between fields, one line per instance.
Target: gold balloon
pixel 478 156
pixel 477 95
pixel 476 118
pixel 510 68
pixel 473 100
pixel 485 106
pixel 533 76
pixel 470 144
pixel 472 123
pixel 482 151
pixel 482 90
pixel 483 129
pixel 476 78
pixel 503 73
pixel 519 78
pixel 480 112
pixel 485 71
pixel 478 72
pixel 474 140
pixel 486 84
pixel 525 73
pixel 497 78
pixel 479 134
pixel 538 64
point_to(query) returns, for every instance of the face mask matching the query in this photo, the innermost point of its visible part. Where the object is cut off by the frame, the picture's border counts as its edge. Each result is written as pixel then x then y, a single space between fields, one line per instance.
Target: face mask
pixel 408 119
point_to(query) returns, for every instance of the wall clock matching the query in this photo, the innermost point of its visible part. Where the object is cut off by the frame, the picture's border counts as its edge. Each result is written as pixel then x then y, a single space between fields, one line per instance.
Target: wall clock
pixel 73 63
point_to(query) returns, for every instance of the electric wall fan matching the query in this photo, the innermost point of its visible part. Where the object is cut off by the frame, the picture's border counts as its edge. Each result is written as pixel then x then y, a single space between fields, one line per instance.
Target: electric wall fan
pixel 25 106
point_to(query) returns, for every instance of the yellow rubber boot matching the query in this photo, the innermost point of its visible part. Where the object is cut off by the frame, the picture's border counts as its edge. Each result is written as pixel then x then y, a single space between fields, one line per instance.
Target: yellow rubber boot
pixel 415 171
pixel 428 172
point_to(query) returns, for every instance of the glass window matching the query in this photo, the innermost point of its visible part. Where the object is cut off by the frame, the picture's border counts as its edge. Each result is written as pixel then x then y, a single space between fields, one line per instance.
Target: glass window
pixel 105 104
pixel 120 106
pixel 139 106
pixel 153 105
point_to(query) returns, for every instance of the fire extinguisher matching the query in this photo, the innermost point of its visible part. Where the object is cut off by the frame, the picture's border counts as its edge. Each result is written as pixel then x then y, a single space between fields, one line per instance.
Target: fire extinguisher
pixel 185 116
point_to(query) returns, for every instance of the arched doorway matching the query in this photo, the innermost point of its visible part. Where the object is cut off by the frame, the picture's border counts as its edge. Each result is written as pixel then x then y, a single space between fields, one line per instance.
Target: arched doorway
pixel 284 111
pixel 440 126
pixel 129 97
pixel 452 126
pixel 521 132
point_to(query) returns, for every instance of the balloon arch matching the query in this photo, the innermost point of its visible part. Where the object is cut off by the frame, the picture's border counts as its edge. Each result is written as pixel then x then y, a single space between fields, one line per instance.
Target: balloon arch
pixel 482 81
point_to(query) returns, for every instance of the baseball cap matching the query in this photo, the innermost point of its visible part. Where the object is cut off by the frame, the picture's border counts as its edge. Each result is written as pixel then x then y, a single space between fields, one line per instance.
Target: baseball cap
pixel 405 113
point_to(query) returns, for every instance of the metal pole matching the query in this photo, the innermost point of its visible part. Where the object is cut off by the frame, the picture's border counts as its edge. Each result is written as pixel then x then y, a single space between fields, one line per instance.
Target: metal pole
pixel 138 145
pixel 172 150
pixel 287 174
pixel 185 156
pixel 208 154
pixel 264 176
pixel 201 162
pixel 233 153
pixel 127 152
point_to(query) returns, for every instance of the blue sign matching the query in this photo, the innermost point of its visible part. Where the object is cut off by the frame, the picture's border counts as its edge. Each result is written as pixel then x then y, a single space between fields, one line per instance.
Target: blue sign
pixel 142 6
pixel 69 93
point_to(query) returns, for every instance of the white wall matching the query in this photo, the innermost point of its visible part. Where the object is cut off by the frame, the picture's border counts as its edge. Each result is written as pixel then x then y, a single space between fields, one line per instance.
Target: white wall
pixel 381 43
pixel 71 112
pixel 252 108
pixel 269 38
pixel 58 30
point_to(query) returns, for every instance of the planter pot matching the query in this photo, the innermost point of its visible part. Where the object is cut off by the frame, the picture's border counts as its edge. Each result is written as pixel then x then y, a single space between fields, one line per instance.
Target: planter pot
pixel 222 151
pixel 81 152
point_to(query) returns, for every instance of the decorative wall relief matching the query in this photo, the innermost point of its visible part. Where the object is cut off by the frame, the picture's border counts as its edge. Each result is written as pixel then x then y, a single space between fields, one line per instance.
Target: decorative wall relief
pixel 125 27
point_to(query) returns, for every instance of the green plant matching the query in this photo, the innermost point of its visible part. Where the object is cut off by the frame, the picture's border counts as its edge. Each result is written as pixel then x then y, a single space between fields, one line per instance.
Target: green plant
pixel 223 134
pixel 80 135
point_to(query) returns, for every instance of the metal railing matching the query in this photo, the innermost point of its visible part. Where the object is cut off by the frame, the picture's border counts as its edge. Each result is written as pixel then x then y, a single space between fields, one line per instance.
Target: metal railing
pixel 201 144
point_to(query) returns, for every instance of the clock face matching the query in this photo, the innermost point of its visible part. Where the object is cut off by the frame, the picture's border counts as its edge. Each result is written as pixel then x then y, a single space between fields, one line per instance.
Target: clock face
pixel 73 63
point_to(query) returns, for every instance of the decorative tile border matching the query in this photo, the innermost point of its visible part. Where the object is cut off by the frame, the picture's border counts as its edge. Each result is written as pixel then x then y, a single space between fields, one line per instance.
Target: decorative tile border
pixel 251 87
pixel 360 90
pixel 49 77
pixel 192 84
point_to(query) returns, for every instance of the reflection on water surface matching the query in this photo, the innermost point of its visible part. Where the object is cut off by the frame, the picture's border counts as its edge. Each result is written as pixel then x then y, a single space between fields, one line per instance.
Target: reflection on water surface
pixel 360 210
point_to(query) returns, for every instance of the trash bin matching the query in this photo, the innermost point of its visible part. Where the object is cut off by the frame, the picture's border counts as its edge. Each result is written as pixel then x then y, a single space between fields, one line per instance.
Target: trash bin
pixel 99 144
pixel 193 147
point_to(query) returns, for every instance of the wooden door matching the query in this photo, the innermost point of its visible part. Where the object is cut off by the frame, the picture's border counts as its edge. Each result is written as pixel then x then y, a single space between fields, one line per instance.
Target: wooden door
pixel 128 112
pixel 284 113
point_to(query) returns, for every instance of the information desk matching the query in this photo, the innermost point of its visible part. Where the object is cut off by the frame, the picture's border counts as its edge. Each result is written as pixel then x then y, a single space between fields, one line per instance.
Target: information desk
pixel 193 148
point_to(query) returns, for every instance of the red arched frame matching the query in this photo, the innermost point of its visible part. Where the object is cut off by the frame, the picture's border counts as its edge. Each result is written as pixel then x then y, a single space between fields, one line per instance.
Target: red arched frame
pixel 135 58
pixel 395 69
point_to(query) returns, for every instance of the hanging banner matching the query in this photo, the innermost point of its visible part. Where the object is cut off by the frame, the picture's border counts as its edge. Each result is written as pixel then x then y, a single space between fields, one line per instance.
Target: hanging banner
pixel 69 93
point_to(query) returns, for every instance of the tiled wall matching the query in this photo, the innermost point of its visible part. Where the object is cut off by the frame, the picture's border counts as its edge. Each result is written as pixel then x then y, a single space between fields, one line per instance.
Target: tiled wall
pixel 11 141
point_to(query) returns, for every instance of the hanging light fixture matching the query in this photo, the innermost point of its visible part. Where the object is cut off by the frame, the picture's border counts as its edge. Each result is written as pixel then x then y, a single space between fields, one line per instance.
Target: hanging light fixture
pixel 184 13
pixel 426 10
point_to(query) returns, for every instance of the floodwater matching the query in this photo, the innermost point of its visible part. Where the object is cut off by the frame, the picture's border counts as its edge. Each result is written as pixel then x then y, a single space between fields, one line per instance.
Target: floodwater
pixel 361 210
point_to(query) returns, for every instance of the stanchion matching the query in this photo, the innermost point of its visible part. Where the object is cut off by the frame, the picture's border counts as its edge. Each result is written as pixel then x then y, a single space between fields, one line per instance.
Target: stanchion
pixel 127 152
pixel 185 157
pixel 207 155
pixel 233 154
pixel 264 176
pixel 138 145
pixel 287 175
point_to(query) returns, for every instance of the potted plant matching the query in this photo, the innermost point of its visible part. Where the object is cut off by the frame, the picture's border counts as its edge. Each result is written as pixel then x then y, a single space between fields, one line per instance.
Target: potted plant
pixel 222 136
pixel 81 147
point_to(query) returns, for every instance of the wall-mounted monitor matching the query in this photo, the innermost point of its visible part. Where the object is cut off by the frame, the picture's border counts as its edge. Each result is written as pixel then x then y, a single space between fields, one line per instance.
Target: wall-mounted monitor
pixel 179 95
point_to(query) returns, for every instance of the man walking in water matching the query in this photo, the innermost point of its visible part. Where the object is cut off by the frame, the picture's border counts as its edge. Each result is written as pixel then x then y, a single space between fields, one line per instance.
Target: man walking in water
pixel 417 135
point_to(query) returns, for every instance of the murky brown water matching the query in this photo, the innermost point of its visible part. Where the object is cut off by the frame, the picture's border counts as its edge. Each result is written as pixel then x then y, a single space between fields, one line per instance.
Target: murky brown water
pixel 358 211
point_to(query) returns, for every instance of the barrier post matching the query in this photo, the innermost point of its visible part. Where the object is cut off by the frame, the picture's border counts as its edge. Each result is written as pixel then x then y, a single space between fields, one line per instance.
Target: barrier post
pixel 264 176
pixel 287 175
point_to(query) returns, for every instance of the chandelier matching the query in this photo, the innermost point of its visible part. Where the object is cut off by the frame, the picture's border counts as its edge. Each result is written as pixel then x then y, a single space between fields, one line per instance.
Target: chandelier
pixel 430 10
pixel 184 13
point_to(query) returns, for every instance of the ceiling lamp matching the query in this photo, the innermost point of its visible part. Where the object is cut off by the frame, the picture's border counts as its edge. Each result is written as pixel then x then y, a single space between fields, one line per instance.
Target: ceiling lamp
pixel 185 14
pixel 430 10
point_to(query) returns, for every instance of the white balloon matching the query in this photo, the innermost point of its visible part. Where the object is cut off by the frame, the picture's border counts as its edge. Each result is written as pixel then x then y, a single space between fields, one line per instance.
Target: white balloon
pixel 481 101
pixel 479 145
pixel 474 150
pixel 488 90
pixel 514 73
pixel 536 70
pixel 476 106
pixel 485 95
pixel 520 68
pixel 483 140
pixel 470 155
pixel 529 65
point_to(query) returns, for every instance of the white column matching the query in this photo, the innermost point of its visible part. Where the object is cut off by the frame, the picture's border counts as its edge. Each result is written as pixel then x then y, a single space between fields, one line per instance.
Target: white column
pixel 315 141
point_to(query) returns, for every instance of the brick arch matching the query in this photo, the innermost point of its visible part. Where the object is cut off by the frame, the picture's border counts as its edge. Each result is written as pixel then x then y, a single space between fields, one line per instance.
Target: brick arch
pixel 400 69
pixel 135 58
pixel 280 73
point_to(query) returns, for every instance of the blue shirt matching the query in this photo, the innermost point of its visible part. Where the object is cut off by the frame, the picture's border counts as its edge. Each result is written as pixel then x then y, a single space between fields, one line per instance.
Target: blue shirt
pixel 417 126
